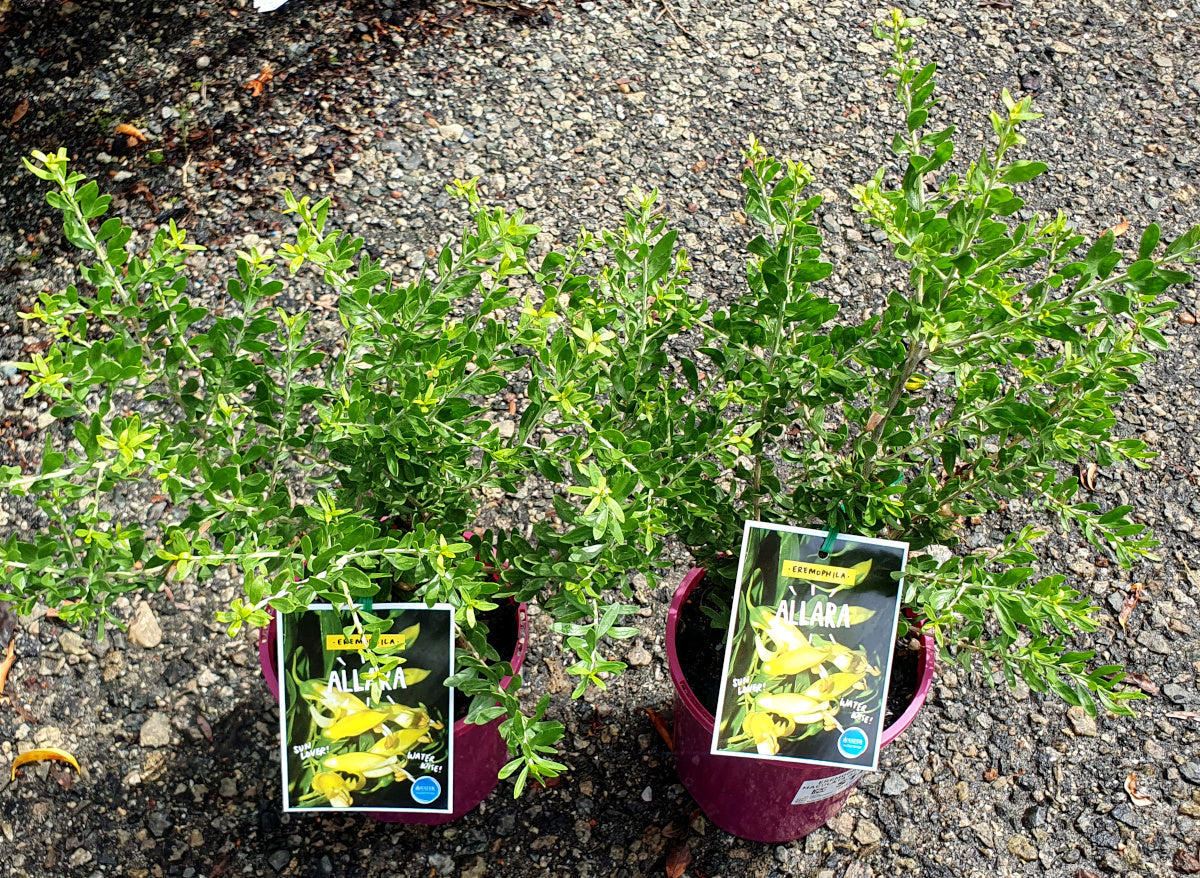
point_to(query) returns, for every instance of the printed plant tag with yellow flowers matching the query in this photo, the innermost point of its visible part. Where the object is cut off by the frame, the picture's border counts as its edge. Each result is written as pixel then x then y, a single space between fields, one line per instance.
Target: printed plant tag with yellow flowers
pixel 363 737
pixel 809 651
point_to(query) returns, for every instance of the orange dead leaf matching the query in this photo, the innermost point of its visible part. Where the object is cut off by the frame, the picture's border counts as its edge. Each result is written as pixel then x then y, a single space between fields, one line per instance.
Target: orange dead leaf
pixel 6 665
pixel 55 612
pixel 256 83
pixel 660 725
pixel 21 110
pixel 1131 787
pixel 41 755
pixel 678 859
pixel 1120 228
pixel 1131 600
pixel 674 829
pixel 132 132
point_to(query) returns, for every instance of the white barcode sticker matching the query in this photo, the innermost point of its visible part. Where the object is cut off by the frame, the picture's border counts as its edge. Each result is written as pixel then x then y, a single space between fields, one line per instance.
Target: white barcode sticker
pixel 826 787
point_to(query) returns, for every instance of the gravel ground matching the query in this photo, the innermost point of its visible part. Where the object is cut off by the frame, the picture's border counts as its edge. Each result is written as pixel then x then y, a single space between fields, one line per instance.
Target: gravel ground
pixel 563 109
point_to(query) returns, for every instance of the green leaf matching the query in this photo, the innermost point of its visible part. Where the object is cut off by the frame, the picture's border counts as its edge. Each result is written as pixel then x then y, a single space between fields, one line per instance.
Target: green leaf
pixel 1114 303
pixel 1020 172
pixel 1183 244
pixel 1155 338
pixel 356 580
pixel 462 285
pixel 660 257
pixel 1149 241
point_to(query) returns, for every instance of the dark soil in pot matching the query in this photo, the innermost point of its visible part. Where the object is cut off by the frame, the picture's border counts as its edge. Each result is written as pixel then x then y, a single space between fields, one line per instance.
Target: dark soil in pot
pixel 700 646
pixel 503 630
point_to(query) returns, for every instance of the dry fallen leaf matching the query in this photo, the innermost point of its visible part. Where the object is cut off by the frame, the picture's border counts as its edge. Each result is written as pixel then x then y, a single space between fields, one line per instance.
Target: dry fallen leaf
pixel 41 755
pixel 256 83
pixel 6 665
pixel 1182 714
pixel 678 859
pixel 140 188
pixel 1144 683
pixel 1131 600
pixel 874 421
pixel 21 110
pixel 1087 476
pixel 660 725
pixel 1131 787
pixel 131 132
pixel 674 829
pixel 1119 229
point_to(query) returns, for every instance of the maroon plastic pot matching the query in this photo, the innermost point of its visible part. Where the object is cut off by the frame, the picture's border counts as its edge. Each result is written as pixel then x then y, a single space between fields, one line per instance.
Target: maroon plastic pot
pixel 762 800
pixel 480 750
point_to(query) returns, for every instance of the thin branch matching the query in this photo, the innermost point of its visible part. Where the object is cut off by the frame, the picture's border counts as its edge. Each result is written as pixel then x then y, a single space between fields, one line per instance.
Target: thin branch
pixel 683 30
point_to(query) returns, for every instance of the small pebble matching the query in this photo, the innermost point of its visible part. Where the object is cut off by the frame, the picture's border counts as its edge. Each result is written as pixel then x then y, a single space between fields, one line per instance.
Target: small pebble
pixel 1082 724
pixel 72 643
pixel 279 860
pixel 1034 816
pixel 1190 772
pixel 155 731
pixel 1176 693
pixel 158 823
pixel 639 656
pixel 867 832
pixel 1021 847
pixel 1155 642
pixel 144 630
pixel 477 869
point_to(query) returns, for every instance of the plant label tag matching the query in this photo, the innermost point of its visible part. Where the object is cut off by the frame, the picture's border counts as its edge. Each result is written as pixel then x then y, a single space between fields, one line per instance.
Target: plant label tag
pixel 827 787
pixel 357 737
pixel 809 650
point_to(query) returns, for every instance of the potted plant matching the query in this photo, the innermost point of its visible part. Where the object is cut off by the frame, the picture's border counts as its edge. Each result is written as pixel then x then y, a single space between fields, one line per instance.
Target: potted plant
pixel 366 459
pixel 989 375
pixel 332 465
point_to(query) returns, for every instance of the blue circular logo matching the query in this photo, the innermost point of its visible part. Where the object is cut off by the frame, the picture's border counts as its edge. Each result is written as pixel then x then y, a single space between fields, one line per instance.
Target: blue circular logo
pixel 426 789
pixel 852 742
